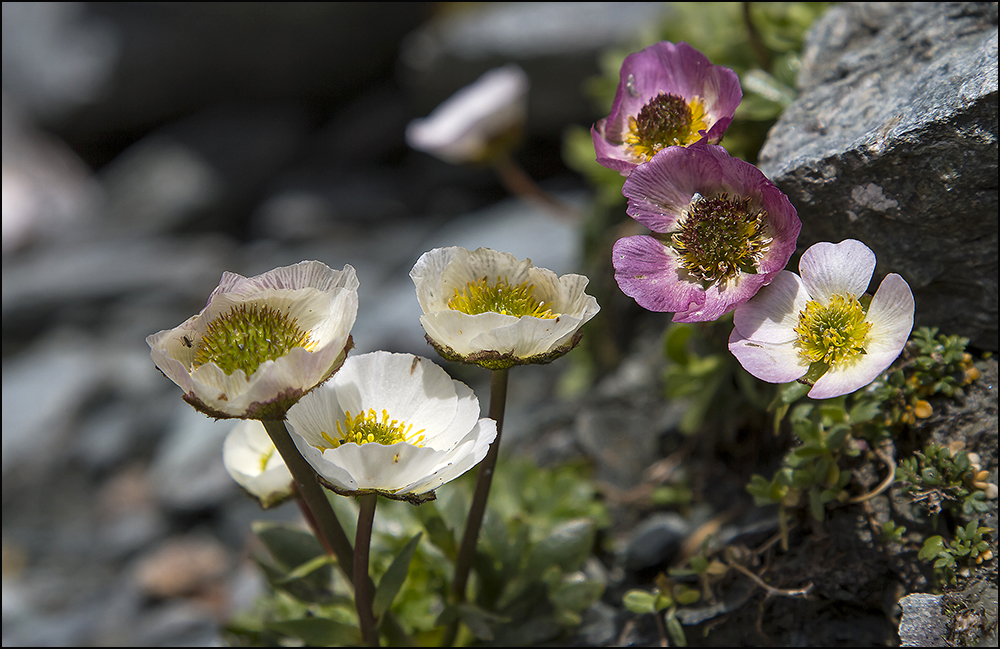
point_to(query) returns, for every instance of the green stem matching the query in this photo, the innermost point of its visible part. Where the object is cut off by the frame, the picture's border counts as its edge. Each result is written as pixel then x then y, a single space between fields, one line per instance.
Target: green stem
pixel 363 590
pixel 519 183
pixel 467 551
pixel 756 42
pixel 312 495
pixel 321 518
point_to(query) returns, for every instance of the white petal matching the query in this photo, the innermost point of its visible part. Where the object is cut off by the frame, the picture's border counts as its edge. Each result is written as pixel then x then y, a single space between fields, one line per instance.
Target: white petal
pixel 771 362
pixel 460 129
pixel 410 388
pixel 527 336
pixel 840 380
pixel 773 313
pixel 331 471
pixel 466 414
pixel 464 456
pixel 426 276
pixel 458 330
pixel 245 449
pixel 382 467
pixel 829 269
pixel 891 315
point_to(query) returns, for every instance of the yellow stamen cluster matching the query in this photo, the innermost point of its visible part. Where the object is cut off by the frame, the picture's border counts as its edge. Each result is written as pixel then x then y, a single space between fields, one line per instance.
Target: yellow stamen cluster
pixel 667 120
pixel 246 336
pixel 720 238
pixel 366 428
pixel 832 334
pixel 482 296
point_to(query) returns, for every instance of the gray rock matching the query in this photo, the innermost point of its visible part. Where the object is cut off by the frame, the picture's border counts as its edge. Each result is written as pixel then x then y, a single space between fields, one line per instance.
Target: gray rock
pixel 961 619
pixel 893 141
pixel 55 57
pixel 202 171
pixel 43 391
pixel 88 272
pixel 159 61
pixel 656 540
pixel 922 624
pixel 187 472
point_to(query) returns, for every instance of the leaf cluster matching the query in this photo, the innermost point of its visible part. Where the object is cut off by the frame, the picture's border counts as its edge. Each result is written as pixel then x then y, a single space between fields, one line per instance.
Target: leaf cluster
pixel 828 430
pixel 536 538
pixel 667 596
pixel 936 477
pixel 931 364
pixel 810 472
pixel 537 535
pixel 968 547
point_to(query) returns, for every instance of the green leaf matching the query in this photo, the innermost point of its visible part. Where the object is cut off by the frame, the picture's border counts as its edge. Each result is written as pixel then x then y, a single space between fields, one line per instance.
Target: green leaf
pixel 640 601
pixel 760 488
pixel 479 621
pixel 675 630
pixel 319 632
pixel 675 342
pixel 290 547
pixel 394 577
pixel 699 564
pixel 864 411
pixel 567 546
pixel 576 595
pixel 663 600
pixel 932 548
pixel 688 596
pixel 791 392
pixel 837 436
pixel 438 532
pixel 816 504
pixel 310 567
pixel 295 550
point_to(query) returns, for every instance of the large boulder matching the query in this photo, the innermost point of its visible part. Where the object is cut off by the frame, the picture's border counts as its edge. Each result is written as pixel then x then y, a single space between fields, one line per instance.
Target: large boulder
pixel 893 141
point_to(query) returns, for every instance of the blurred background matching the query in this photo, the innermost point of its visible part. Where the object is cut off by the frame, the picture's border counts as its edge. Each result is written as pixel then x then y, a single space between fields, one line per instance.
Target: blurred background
pixel 147 148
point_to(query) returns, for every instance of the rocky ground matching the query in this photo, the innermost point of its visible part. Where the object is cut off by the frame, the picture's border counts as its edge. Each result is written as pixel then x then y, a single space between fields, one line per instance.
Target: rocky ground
pixel 148 149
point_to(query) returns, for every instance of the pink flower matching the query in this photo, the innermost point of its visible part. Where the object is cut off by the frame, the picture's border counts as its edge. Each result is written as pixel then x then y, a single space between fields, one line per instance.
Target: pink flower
pixel 818 323
pixel 669 95
pixel 721 231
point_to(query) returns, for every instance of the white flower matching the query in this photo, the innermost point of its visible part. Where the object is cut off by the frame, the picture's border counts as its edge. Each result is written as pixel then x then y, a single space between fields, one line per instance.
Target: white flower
pixel 253 462
pixel 816 323
pixel 393 424
pixel 492 309
pixel 261 342
pixel 477 120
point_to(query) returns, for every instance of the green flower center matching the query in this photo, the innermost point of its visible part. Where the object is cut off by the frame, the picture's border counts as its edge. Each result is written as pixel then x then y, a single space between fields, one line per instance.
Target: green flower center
pixel 246 336
pixel 667 120
pixel 834 333
pixel 720 238
pixel 366 428
pixel 483 296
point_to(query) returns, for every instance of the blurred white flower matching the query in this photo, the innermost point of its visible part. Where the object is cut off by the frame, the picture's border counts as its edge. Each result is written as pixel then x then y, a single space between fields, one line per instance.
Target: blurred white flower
pixel 392 424
pixel 494 310
pixel 253 462
pixel 261 342
pixel 820 323
pixel 479 122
